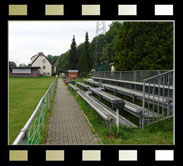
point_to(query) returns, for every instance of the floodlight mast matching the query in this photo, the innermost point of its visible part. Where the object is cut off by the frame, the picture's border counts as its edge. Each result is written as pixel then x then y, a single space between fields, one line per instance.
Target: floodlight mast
pixel 100 29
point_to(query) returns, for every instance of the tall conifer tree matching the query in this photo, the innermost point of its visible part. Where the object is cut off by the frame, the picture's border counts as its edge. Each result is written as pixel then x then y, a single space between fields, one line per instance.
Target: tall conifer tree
pixel 85 61
pixel 73 59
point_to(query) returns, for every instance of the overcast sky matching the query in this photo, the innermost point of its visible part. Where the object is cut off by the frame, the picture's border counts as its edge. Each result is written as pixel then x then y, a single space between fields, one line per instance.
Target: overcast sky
pixel 27 38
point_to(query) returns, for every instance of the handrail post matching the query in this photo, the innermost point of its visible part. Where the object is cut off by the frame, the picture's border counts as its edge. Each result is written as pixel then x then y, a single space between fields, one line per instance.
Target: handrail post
pixel 53 89
pixel 120 75
pixel 173 93
pixel 48 100
pixel 42 113
pixel 52 92
pixel 117 119
pixel 135 76
pixel 143 106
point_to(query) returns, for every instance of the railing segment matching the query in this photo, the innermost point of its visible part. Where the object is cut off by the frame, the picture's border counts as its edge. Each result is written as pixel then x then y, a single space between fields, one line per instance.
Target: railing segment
pixel 136 76
pixel 160 87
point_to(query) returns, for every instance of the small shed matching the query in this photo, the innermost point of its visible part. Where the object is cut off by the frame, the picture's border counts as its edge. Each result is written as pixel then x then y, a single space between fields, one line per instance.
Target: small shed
pixel 72 74
pixel 27 71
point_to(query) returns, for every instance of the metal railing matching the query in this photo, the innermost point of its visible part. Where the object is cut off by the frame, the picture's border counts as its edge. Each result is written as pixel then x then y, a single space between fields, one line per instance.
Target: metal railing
pixel 84 75
pixel 158 98
pixel 31 132
pixel 136 76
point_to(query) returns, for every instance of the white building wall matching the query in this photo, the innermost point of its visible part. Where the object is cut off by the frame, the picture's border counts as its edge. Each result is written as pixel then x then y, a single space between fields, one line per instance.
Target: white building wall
pixel 54 69
pixel 42 61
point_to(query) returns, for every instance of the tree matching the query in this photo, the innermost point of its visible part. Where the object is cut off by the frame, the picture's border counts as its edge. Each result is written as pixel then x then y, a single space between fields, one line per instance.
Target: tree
pixel 22 65
pixel 144 46
pixel 129 45
pixel 108 52
pixel 80 50
pixel 52 59
pixel 62 63
pixel 11 64
pixel 85 60
pixel 73 59
pixel 102 45
pixel 99 44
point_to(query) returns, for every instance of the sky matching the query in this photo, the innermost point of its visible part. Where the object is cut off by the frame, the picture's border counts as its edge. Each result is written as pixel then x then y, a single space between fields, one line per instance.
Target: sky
pixel 27 38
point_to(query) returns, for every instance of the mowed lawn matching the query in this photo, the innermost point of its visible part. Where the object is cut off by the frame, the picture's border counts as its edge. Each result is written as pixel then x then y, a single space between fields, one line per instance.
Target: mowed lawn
pixel 24 95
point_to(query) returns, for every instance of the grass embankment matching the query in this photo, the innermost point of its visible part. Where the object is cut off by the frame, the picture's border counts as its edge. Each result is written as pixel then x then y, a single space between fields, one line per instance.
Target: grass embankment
pixel 24 95
pixel 47 118
pixel 77 80
pixel 159 133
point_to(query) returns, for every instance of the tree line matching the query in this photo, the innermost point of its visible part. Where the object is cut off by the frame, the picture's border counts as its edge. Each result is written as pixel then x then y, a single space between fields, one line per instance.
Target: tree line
pixel 128 46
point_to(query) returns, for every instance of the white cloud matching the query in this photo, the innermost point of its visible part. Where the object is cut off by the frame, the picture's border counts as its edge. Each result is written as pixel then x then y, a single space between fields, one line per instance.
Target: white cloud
pixel 27 38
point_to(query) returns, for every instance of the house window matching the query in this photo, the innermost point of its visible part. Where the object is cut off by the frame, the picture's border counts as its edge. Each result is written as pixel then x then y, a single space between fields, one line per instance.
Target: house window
pixel 44 67
pixel 44 60
pixel 48 74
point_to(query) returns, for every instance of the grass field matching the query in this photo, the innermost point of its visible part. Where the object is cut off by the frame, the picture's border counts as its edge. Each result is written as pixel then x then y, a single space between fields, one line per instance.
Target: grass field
pixel 24 95
pixel 159 133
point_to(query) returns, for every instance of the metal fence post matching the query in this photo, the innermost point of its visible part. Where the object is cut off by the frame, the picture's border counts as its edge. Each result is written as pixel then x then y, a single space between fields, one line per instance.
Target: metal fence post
pixel 53 89
pixel 120 75
pixel 140 120
pixel 48 100
pixel 42 113
pixel 135 76
pixel 52 92
pixel 117 119
pixel 173 92
pixel 143 106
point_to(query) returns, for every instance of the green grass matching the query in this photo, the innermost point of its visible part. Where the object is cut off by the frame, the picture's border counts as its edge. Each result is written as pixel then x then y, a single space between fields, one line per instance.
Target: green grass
pixel 78 80
pixel 24 95
pixel 47 119
pixel 159 133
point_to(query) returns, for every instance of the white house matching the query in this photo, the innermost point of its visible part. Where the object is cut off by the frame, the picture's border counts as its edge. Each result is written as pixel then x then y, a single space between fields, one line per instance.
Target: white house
pixel 40 60
pixel 39 65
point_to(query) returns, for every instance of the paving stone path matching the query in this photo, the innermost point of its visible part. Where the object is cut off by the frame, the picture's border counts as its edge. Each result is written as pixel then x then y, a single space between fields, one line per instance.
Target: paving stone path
pixel 68 124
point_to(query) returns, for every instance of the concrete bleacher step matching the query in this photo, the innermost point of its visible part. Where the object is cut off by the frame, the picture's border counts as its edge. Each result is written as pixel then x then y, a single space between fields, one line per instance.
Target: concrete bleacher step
pixel 116 102
pixel 137 110
pixel 131 108
pixel 96 106
pixel 122 119
pixel 130 82
pixel 137 94
pixel 82 85
pixel 91 82
pixel 131 92
pixel 104 111
pixel 73 87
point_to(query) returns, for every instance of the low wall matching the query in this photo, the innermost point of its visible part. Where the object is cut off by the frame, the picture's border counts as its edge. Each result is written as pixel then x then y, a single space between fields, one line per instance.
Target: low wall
pixel 25 75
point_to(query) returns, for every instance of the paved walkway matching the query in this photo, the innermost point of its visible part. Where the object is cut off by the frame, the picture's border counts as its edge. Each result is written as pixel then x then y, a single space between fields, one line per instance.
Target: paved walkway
pixel 68 124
